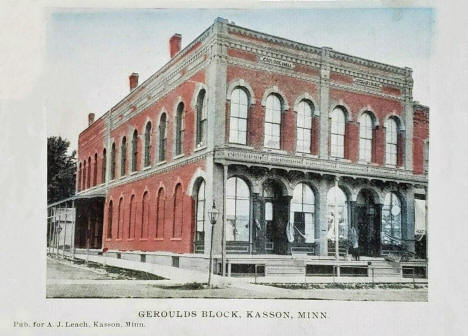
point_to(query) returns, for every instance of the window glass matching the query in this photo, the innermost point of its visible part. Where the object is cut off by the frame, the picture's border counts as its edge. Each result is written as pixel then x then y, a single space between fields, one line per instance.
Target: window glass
pixel 238 117
pixel 304 125
pixel 337 128
pixel 200 225
pixel 391 220
pixel 365 137
pixel 391 139
pixel 337 209
pixel 272 122
pixel 302 213
pixel 237 210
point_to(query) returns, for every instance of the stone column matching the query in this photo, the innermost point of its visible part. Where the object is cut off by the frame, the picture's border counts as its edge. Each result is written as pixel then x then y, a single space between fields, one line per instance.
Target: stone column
pixel 322 219
pixel 324 102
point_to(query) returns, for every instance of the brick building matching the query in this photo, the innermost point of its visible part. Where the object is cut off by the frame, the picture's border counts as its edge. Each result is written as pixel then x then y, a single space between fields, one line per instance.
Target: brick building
pixel 298 144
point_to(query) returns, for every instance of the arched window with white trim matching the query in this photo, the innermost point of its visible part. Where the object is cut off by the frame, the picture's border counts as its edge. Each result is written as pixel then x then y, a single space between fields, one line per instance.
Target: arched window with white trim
pixel 179 129
pixel 148 144
pixel 162 138
pixel 238 116
pixel 113 162
pixel 391 142
pixel 134 150
pixel 104 166
pixel 237 210
pixel 160 214
pixel 123 157
pixel 109 220
pixel 272 133
pixel 200 213
pixel 366 128
pixel 303 127
pixel 302 213
pixel 201 119
pixel 337 133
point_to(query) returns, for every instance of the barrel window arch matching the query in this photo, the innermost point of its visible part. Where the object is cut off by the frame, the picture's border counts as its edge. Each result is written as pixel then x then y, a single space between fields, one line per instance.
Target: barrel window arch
pixel 302 213
pixel 201 119
pixel 148 143
pixel 366 129
pixel 110 210
pixel 95 172
pixel 200 213
pixel 304 126
pixel 162 137
pixel 179 136
pixel 135 151
pixel 237 210
pixel 123 157
pixel 238 116
pixel 337 133
pixel 272 132
pixel 392 142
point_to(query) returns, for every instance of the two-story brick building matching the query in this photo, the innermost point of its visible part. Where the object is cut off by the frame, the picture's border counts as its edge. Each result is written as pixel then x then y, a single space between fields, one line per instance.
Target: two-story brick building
pixel 295 144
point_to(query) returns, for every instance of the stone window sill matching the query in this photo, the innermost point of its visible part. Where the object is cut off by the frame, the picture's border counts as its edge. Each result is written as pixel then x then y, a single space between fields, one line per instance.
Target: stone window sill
pixel 199 148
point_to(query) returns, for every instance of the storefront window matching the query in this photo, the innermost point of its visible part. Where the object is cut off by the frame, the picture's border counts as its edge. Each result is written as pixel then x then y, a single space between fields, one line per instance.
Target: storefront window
pixel 391 220
pixel 302 213
pixel 337 213
pixel 237 210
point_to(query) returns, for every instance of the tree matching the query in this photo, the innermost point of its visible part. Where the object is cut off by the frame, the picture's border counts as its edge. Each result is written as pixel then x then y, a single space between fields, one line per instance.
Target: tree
pixel 61 170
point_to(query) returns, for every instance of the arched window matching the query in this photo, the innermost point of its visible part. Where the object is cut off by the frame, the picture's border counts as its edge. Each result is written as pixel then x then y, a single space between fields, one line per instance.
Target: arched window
pixel 84 174
pixel 304 126
pixel 80 181
pixel 237 210
pixel 337 209
pixel 120 219
pixel 89 172
pixel 144 215
pixel 131 218
pixel 95 170
pixel 160 215
pixel 104 166
pixel 178 217
pixel 113 162
pixel 391 220
pixel 337 133
pixel 123 157
pixel 148 141
pixel 134 150
pixel 109 220
pixel 179 129
pixel 302 213
pixel 162 138
pixel 366 128
pixel 201 118
pixel 391 142
pixel 238 116
pixel 200 213
pixel 273 122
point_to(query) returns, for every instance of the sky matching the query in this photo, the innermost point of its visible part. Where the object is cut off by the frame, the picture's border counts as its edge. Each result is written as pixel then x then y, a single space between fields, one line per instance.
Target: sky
pixel 90 53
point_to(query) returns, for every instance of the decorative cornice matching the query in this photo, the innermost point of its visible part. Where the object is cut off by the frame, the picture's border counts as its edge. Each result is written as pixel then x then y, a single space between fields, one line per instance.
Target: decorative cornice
pixel 339 56
pixel 320 166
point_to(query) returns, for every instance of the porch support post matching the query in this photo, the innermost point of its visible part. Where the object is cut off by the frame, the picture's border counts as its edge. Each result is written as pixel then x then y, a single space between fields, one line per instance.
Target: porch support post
pixel 259 224
pixel 377 229
pixel 408 232
pixel 322 224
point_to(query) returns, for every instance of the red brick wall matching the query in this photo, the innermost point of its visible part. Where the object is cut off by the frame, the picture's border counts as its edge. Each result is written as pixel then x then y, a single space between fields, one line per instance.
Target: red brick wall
pixel 420 134
pixel 168 181
pixel 260 82
pixel 90 142
pixel 382 107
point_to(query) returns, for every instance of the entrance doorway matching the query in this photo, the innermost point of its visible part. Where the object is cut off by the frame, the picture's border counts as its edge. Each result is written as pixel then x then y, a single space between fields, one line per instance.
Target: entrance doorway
pixel 275 216
pixel 367 223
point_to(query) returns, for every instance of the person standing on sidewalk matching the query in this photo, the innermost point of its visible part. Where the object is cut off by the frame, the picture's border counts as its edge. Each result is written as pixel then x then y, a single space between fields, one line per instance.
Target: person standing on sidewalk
pixel 355 243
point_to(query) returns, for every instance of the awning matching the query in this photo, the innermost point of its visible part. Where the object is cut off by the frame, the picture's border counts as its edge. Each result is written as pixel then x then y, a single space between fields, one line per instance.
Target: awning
pixel 96 194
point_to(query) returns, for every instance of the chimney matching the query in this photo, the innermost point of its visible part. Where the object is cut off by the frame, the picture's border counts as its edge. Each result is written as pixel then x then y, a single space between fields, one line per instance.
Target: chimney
pixel 133 79
pixel 90 118
pixel 174 44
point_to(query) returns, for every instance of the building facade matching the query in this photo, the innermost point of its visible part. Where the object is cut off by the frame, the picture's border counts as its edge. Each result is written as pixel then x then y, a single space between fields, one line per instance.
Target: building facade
pixel 299 147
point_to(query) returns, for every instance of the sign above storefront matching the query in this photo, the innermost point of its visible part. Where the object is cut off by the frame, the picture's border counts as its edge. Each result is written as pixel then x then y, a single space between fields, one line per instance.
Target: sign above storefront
pixel 277 62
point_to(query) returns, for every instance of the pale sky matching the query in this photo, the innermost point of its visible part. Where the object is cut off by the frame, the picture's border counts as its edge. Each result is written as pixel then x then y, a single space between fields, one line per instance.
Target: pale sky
pixel 90 53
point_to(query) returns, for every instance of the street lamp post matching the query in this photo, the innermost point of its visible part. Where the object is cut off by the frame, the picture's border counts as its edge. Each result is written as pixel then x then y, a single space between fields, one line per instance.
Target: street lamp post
pixel 213 213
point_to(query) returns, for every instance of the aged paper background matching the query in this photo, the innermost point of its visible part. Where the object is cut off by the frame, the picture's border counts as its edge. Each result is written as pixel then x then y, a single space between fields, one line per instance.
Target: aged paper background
pixel 23 207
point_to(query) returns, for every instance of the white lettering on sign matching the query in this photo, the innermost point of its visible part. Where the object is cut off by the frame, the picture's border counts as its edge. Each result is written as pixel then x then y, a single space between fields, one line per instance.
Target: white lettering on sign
pixel 277 62
pixel 368 83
